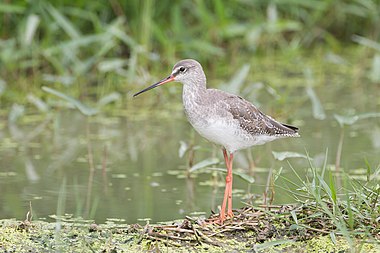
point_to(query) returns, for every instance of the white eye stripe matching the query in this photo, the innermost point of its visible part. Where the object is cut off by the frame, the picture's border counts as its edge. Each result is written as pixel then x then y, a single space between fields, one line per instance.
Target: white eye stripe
pixel 180 69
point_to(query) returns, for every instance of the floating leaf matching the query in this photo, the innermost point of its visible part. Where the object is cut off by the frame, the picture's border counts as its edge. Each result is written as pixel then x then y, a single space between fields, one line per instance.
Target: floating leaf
pixel 369 115
pixel 204 163
pixel 120 175
pixel 351 119
pixel 144 219
pixel 81 107
pixel 174 172
pixel 115 220
pixel 287 154
pixel 242 175
pixel 346 120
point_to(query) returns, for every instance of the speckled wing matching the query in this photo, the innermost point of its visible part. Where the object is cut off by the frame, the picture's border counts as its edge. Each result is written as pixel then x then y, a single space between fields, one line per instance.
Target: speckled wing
pixel 253 121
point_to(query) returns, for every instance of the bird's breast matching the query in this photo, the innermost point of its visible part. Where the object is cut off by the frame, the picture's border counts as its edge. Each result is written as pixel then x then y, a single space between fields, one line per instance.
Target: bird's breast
pixel 220 128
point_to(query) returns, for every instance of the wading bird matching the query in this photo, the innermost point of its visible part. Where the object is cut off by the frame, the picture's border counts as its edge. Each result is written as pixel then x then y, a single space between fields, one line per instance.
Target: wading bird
pixel 223 118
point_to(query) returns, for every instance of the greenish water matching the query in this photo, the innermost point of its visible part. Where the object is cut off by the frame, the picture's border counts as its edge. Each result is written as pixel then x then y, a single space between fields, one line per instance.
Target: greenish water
pixel 135 151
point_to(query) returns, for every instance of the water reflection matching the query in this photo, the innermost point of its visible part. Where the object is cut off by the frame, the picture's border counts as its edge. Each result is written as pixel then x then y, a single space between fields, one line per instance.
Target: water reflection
pixel 127 166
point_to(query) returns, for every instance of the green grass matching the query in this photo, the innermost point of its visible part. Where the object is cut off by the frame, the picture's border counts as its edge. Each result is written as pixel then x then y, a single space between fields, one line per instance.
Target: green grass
pixel 83 43
pixel 341 206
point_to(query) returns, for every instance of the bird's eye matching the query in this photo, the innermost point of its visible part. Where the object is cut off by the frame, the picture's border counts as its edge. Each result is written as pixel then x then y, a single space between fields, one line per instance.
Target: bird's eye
pixel 182 69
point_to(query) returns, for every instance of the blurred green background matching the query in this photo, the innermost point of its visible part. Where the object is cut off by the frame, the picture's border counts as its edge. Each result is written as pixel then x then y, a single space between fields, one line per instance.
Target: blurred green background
pixel 117 45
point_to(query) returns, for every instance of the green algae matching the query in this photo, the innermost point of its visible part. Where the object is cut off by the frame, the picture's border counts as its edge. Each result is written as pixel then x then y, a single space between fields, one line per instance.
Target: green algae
pixel 42 236
pixel 320 244
pixel 269 234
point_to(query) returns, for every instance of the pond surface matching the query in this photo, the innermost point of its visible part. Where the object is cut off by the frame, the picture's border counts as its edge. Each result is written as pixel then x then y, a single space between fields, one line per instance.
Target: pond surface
pixel 46 159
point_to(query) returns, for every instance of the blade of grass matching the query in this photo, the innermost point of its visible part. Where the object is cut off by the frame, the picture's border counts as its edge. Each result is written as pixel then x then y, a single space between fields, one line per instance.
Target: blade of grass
pixel 81 107
pixel 63 22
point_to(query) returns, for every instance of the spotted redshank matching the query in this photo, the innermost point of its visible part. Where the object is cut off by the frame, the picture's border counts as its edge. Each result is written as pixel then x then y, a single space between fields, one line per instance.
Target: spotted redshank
pixel 223 118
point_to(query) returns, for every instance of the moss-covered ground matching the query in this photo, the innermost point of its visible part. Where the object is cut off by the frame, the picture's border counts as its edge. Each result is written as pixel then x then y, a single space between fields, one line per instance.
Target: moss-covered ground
pixel 270 229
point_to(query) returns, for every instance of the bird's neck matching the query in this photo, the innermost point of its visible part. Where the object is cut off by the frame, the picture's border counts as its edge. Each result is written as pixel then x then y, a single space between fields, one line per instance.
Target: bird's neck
pixel 194 89
pixel 193 95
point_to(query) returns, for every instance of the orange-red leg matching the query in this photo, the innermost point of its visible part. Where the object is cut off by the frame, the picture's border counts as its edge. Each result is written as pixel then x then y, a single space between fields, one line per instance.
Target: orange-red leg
pixel 229 209
pixel 228 190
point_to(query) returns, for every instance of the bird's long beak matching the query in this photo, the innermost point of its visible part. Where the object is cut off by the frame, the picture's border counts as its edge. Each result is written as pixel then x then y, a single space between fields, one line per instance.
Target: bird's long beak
pixel 163 81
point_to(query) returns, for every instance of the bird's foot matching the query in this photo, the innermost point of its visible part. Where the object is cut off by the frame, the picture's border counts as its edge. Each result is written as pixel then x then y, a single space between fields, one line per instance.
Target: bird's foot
pixel 220 219
pixel 223 217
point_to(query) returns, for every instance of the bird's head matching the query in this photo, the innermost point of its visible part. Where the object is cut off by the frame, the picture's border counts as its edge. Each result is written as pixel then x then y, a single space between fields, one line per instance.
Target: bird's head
pixel 184 71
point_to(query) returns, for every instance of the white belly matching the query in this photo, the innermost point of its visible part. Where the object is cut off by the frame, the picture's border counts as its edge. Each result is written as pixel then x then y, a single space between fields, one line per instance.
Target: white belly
pixel 230 135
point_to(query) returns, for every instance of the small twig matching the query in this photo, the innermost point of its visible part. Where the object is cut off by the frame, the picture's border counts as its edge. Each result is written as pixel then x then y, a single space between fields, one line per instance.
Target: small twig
pixel 251 224
pixel 270 206
pixel 227 229
pixel 234 228
pixel 146 230
pixel 179 230
pixel 205 238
